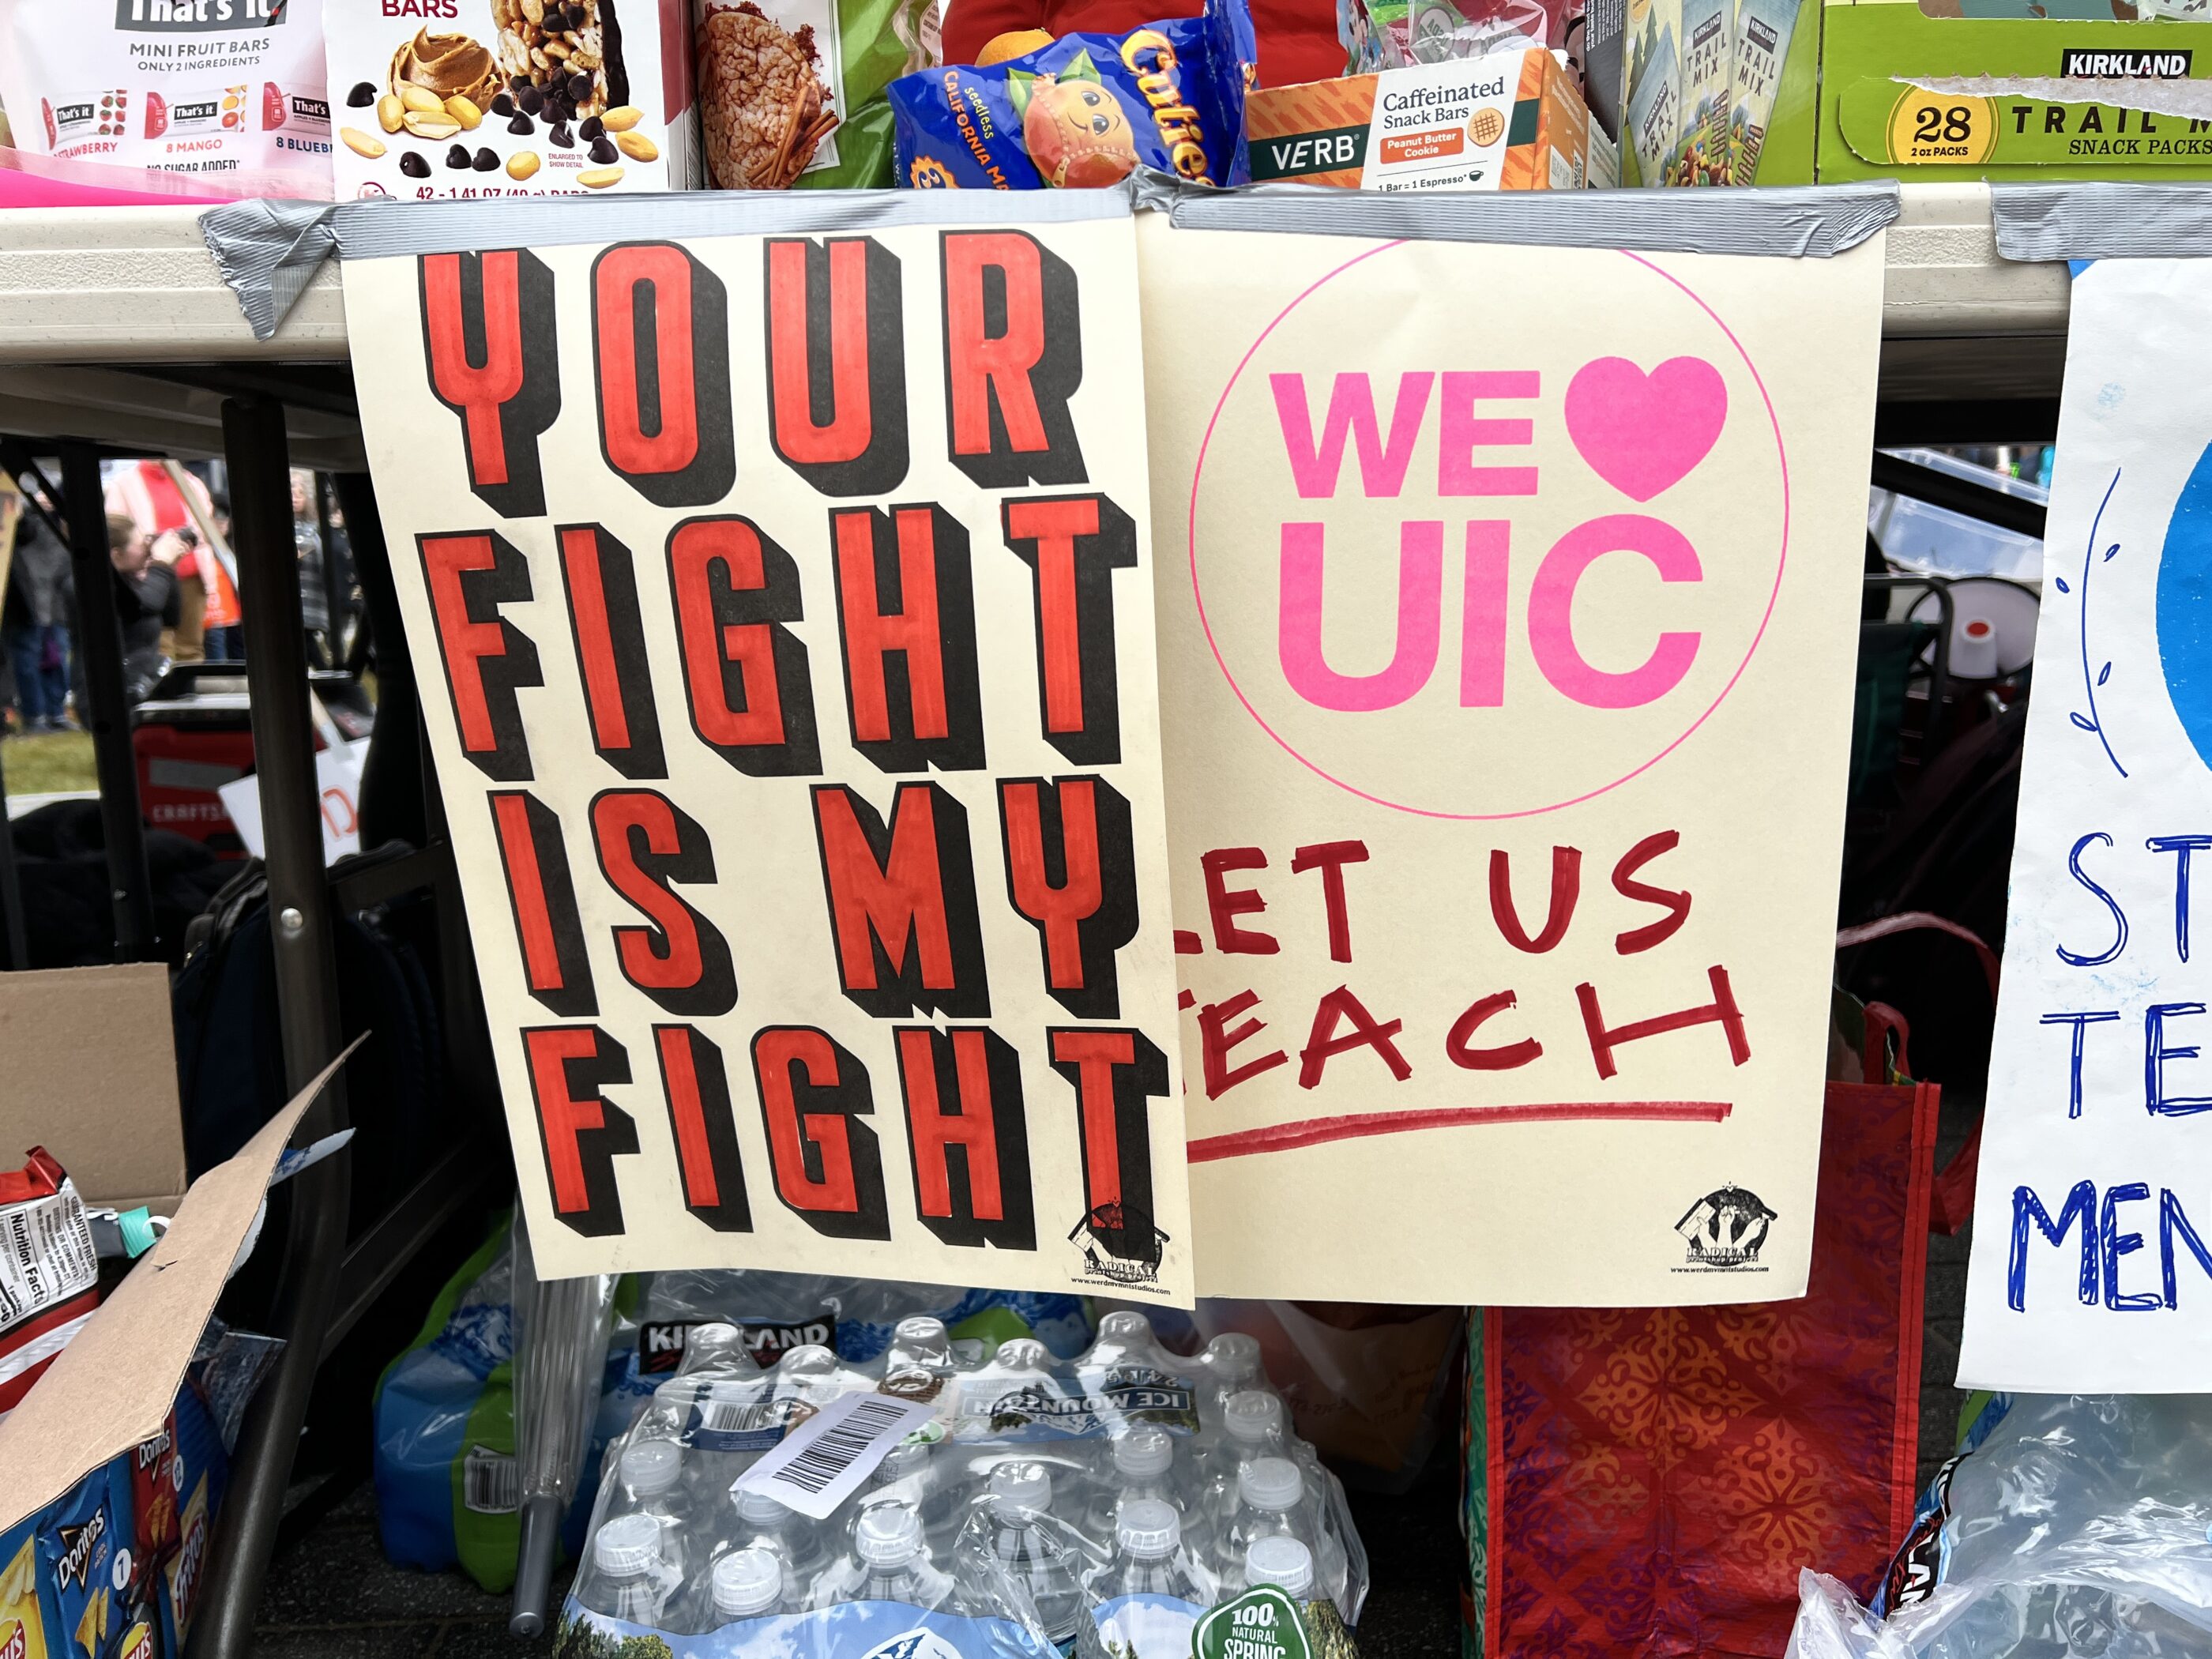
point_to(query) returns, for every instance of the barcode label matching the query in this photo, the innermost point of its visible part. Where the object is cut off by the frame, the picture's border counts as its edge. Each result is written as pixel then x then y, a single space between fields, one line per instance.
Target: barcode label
pixel 824 1460
pixel 736 1425
pixel 491 1482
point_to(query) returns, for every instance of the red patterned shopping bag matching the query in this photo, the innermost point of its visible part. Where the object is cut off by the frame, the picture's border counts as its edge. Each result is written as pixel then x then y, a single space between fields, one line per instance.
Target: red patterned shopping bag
pixel 1646 1483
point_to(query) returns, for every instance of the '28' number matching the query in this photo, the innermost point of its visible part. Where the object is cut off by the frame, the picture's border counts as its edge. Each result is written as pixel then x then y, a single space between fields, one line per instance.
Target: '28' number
pixel 1953 125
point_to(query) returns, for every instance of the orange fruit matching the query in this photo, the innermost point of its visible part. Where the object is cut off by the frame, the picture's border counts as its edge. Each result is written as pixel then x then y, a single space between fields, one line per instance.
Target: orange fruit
pixel 1015 42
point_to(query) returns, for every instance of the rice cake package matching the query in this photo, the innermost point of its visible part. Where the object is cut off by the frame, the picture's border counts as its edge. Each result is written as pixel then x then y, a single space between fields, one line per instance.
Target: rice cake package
pixel 229 86
pixel 1513 121
pixel 511 97
pixel 791 92
pixel 1086 111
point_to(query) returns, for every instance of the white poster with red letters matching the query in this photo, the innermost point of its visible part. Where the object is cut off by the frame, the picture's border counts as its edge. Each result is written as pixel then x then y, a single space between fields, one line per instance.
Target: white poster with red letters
pixel 783 609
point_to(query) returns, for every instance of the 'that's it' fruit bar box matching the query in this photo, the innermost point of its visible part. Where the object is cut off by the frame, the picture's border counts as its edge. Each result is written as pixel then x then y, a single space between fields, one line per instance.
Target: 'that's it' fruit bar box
pixel 1510 121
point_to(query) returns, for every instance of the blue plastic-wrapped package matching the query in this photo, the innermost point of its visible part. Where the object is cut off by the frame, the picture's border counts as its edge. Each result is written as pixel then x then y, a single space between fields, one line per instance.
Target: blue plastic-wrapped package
pixel 1086 111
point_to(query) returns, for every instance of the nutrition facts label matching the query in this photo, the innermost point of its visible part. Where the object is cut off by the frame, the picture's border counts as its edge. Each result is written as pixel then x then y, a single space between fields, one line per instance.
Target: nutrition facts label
pixel 45 1256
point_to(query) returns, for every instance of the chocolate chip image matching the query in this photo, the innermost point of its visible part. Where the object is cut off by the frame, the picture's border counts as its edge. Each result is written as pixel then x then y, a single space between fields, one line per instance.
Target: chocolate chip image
pixel 590 128
pixel 414 165
pixel 458 157
pixel 560 137
pixel 521 123
pixel 531 98
pixel 361 96
pixel 487 160
pixel 603 152
pixel 503 104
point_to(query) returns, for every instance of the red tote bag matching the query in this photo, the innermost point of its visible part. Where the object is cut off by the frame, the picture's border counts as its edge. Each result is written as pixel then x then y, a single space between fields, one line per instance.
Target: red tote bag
pixel 1646 1483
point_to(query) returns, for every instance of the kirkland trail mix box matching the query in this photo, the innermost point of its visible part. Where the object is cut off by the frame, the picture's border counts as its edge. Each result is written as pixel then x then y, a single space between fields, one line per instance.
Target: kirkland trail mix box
pixel 1715 92
pixel 2013 89
pixel 1511 121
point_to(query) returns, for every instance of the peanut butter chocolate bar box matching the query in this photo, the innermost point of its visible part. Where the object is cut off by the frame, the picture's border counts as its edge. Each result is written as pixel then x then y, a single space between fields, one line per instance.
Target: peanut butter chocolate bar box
pixel 510 97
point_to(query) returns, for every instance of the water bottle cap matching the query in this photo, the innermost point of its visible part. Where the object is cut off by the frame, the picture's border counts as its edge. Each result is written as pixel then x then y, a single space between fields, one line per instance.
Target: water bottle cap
pixel 761 1509
pixel 1271 1483
pixel 746 1582
pixel 1124 1326
pixel 888 1535
pixel 1023 1353
pixel 1235 1354
pixel 1020 1489
pixel 811 1357
pixel 651 1466
pixel 1148 1528
pixel 1143 1454
pixel 628 1547
pixel 1253 1416
pixel 1283 1562
pixel 919 1328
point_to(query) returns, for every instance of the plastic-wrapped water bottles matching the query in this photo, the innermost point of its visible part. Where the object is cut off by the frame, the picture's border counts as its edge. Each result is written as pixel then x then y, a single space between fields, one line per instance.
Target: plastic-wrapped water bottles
pixel 948 1502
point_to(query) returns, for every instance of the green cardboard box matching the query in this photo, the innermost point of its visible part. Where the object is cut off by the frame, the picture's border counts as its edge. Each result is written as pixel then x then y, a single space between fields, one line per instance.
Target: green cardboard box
pixel 1719 91
pixel 1936 90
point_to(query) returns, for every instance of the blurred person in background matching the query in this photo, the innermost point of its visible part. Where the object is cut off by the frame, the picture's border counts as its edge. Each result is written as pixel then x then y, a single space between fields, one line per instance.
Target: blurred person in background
pixel 35 617
pixel 146 602
pixel 148 494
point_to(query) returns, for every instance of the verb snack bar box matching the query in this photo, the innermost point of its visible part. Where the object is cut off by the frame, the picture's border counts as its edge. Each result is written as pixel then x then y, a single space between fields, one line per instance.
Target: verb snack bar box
pixel 1510 121
pixel 510 97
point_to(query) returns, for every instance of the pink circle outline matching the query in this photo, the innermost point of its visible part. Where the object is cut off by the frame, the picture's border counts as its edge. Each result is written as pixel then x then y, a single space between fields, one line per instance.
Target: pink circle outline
pixel 1198 593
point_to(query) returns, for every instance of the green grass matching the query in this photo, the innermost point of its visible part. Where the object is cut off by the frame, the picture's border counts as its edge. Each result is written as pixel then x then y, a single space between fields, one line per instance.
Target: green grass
pixel 48 764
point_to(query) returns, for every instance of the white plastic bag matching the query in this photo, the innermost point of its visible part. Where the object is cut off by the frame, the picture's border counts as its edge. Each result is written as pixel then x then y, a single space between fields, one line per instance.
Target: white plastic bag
pixel 198 87
pixel 2078 1529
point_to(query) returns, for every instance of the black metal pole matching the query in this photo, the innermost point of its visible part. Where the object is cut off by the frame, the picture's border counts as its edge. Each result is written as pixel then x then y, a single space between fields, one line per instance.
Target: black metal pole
pixel 100 638
pixel 334 585
pixel 307 1008
pixel 11 890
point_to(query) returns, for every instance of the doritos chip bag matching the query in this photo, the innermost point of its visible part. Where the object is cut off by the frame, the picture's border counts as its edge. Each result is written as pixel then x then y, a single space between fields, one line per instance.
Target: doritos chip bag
pixel 85 1567
pixel 1086 111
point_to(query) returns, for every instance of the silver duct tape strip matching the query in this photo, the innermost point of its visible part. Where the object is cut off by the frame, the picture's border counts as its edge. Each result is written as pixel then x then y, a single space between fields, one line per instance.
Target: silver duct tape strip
pixel 374 230
pixel 1813 222
pixel 269 251
pixel 2102 221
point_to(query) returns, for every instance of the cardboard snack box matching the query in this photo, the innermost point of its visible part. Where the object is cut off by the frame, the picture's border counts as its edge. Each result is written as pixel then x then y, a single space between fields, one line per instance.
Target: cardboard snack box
pixel 1715 92
pixel 1511 121
pixel 2012 89
pixel 511 98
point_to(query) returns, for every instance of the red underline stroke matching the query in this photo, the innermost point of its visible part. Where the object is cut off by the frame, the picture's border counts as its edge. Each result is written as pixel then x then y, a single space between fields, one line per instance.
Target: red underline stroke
pixel 1318 1131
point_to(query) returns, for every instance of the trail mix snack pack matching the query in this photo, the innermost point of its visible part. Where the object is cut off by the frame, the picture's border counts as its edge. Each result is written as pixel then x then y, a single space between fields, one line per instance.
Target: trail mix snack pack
pixel 230 86
pixel 791 92
pixel 511 98
pixel 1086 111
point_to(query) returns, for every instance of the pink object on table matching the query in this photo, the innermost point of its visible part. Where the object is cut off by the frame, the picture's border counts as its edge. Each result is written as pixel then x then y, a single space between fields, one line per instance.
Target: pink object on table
pixel 42 181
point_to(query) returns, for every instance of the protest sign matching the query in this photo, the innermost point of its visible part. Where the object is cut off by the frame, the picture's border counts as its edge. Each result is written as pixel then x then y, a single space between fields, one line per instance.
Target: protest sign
pixel 785 604
pixel 1509 600
pixel 2092 1265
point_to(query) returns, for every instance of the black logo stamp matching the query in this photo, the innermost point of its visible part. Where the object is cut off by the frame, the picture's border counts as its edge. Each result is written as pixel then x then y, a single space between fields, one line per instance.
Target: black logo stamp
pixel 1725 1230
pixel 1121 1245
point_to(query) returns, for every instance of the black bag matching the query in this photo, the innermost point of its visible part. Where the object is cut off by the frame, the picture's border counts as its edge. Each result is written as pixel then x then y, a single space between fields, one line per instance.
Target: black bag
pixel 230 1050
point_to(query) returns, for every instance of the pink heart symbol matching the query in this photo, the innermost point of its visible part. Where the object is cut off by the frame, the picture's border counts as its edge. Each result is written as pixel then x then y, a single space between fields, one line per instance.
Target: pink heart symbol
pixel 1642 434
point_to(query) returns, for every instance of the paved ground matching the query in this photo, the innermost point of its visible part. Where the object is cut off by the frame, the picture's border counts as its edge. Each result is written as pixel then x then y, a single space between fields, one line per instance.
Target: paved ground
pixel 333 1596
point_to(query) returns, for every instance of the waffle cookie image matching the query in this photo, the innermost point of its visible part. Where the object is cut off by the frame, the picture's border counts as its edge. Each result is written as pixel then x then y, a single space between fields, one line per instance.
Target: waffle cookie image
pixel 763 106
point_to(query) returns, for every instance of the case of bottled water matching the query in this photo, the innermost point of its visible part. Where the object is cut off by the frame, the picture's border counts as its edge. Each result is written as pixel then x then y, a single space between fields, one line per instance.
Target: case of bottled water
pixel 943 1502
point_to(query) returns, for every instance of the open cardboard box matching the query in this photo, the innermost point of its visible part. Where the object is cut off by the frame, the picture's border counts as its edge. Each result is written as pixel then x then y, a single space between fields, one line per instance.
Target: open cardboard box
pixel 90 1074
